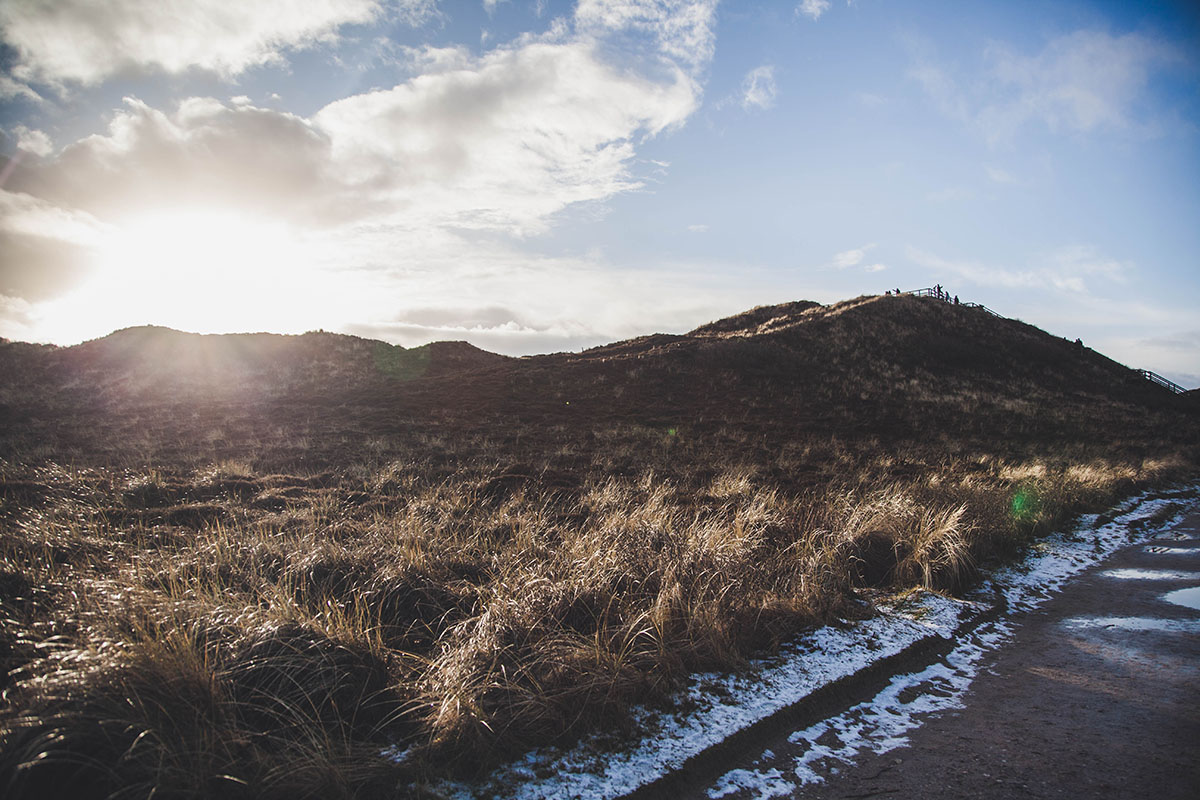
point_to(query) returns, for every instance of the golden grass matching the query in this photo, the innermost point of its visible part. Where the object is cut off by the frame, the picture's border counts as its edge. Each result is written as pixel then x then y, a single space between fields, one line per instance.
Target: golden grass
pixel 285 636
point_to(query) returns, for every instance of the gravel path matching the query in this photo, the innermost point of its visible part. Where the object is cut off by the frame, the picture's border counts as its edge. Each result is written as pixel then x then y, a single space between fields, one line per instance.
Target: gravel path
pixel 1094 695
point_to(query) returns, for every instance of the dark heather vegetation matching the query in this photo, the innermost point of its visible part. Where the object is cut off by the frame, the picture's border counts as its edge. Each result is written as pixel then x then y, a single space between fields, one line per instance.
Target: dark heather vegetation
pixel 247 565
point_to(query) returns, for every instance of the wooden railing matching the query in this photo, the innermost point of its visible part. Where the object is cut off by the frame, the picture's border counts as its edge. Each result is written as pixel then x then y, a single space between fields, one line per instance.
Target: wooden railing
pixel 1154 377
pixel 944 295
pixel 983 307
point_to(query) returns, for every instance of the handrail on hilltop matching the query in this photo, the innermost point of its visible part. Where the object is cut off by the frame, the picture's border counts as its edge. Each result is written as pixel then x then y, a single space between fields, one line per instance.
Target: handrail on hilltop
pixel 942 294
pixel 984 308
pixel 1154 377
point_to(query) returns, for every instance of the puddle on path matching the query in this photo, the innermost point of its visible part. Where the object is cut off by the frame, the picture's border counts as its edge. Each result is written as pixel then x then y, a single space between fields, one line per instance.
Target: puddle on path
pixel 1185 597
pixel 1172 551
pixel 1151 575
pixel 1135 623
pixel 1175 534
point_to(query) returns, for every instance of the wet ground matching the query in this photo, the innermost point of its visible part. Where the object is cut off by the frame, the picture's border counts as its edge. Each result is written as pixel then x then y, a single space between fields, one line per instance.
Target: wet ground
pixel 1094 695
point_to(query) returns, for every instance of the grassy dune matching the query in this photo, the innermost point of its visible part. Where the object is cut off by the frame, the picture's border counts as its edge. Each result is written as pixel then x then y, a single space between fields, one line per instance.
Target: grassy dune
pixel 252 571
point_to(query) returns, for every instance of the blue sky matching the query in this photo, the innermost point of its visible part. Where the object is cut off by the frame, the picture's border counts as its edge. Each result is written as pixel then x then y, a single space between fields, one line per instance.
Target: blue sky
pixel 542 176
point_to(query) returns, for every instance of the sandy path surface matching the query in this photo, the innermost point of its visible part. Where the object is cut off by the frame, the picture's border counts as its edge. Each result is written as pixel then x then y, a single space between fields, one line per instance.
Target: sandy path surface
pixel 1096 695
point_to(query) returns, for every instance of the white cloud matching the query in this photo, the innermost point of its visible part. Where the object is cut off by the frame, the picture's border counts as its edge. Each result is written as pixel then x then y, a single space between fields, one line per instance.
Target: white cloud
pixel 758 88
pixel 33 141
pixel 503 298
pixel 1067 269
pixel 813 8
pixel 500 141
pixel 852 258
pixel 684 30
pixel 393 188
pixel 997 175
pixel 505 140
pixel 875 267
pixel 698 228
pixel 1080 82
pixel 45 248
pixel 204 153
pixel 18 319
pixel 11 88
pixel 21 213
pixel 85 42
pixel 941 88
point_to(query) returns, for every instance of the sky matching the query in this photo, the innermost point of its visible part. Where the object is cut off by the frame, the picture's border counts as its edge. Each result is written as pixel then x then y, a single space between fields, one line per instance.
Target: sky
pixel 537 176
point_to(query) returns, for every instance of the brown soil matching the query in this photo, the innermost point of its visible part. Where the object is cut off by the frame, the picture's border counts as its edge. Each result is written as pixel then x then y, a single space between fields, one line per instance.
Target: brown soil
pixel 1061 711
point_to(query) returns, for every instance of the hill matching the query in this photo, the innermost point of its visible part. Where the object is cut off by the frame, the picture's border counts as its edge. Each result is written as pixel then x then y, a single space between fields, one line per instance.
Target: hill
pixel 249 564
pixel 156 362
pixel 896 367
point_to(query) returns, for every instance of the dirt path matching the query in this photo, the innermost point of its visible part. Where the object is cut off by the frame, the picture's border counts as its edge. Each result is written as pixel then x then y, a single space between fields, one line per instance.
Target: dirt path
pixel 1096 695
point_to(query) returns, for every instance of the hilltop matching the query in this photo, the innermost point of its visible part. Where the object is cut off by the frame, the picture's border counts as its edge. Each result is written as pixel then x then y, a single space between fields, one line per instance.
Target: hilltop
pixel 155 362
pixel 896 367
pixel 248 564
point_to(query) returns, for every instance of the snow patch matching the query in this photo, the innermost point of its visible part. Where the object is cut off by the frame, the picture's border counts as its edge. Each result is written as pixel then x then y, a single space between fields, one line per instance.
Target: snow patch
pixel 758 783
pixel 721 704
pixel 882 724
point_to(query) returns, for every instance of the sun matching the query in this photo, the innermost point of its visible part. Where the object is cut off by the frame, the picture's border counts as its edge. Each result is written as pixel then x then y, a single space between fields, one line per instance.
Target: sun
pixel 201 270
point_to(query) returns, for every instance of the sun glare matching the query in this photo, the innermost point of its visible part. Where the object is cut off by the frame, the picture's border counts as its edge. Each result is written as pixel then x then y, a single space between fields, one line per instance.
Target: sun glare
pixel 198 270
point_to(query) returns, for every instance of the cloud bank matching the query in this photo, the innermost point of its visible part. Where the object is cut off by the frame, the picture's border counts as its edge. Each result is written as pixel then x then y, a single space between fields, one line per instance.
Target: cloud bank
pixel 1078 83
pixel 84 42
pixel 1072 269
pixel 396 180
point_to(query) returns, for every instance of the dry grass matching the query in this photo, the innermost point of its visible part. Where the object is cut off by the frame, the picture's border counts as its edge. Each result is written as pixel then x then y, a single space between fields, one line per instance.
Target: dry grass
pixel 222 631
pixel 212 598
